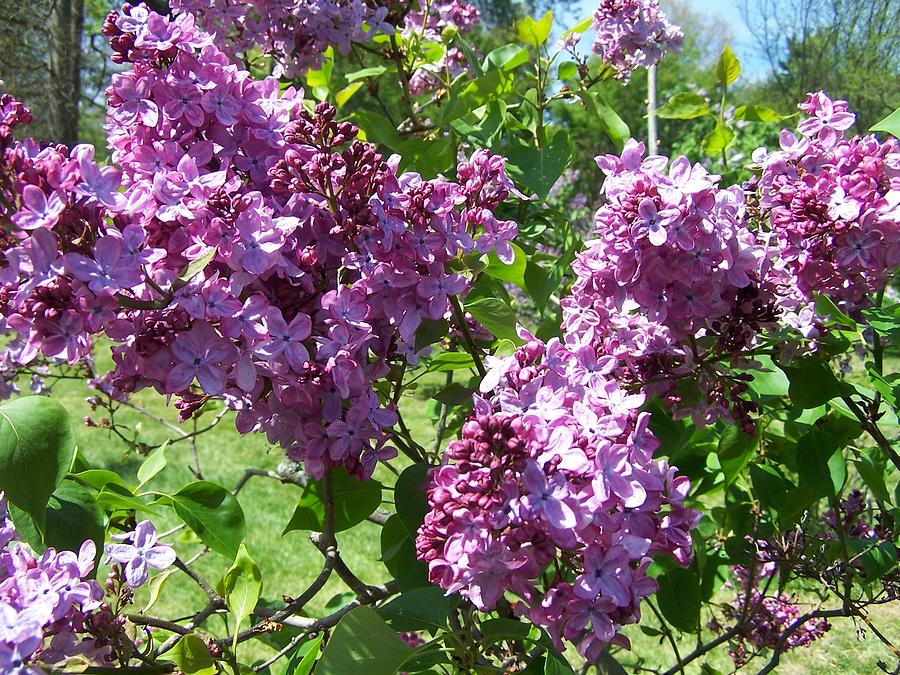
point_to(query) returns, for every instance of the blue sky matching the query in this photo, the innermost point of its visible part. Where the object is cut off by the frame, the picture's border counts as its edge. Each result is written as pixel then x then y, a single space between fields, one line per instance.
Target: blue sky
pixel 754 65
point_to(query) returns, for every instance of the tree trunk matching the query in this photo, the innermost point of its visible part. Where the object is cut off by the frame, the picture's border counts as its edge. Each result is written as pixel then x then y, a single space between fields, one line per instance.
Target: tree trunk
pixel 64 55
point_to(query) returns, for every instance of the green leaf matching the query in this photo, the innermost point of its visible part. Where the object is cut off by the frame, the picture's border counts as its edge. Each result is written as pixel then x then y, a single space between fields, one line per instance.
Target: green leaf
pixel 501 628
pixel 466 49
pixel 769 379
pixel 98 478
pixel 556 664
pixel 679 598
pixel 534 33
pixel 398 553
pixel 728 68
pixel 302 660
pixel 890 124
pixel 425 608
pixel 506 57
pixel 346 93
pixel 735 450
pixel 496 316
pixel 812 382
pixel 757 113
pixel 197 265
pixel 155 462
pixel 820 463
pixel 871 469
pixel 157 582
pixel 717 140
pixel 409 497
pixel 241 587
pixel 37 448
pixel 581 26
pixel 673 435
pixel 116 497
pixel 889 388
pixel 567 70
pixel 769 485
pixel 192 657
pixel 354 500
pixel 214 514
pixel 431 331
pixel 427 157
pixel 480 91
pixel 454 393
pixel 610 122
pixel 450 361
pixel 377 128
pixel 363 643
pixel 319 80
pixel 825 307
pixel 539 168
pixel 876 561
pixel 365 73
pixel 607 665
pixel 685 106
pixel 72 517
pixel 513 272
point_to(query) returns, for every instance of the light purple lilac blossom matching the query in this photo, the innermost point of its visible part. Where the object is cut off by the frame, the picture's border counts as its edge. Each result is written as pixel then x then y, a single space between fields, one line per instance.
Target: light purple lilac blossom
pixel 323 260
pixel 46 603
pixel 141 552
pixel 633 34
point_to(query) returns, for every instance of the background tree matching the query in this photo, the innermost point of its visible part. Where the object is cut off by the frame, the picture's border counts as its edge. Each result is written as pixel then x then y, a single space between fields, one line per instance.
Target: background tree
pixel 849 48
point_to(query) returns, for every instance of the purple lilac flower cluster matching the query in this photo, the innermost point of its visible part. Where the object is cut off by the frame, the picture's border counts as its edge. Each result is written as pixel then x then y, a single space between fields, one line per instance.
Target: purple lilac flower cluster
pixel 295 33
pixel 428 24
pixel 833 206
pixel 314 261
pixel 766 622
pixel 672 277
pixel 46 604
pixel 552 495
pixel 633 34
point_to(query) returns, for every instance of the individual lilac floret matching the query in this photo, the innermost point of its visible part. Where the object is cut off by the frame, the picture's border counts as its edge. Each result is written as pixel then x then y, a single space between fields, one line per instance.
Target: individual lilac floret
pixel 143 552
pixel 633 34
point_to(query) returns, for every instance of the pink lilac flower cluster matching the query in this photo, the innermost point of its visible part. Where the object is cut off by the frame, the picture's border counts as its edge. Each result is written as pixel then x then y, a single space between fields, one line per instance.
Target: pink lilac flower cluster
pixel 312 262
pixel 671 279
pixel 552 495
pixel 633 34
pixel 45 604
pixel 294 33
pixel 833 206
pixel 428 24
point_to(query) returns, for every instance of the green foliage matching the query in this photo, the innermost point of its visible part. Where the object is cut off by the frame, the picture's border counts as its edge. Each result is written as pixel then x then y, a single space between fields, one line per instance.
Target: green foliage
pixel 363 642
pixel 534 33
pixel 37 449
pixel 192 656
pixel 213 514
pixel 241 588
pixel 354 501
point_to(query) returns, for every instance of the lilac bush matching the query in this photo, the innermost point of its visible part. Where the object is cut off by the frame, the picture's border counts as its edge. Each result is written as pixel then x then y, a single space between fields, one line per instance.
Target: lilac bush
pixel 696 390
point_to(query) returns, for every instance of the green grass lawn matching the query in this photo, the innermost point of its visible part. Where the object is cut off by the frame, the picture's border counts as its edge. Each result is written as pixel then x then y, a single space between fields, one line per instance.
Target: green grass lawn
pixel 290 562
